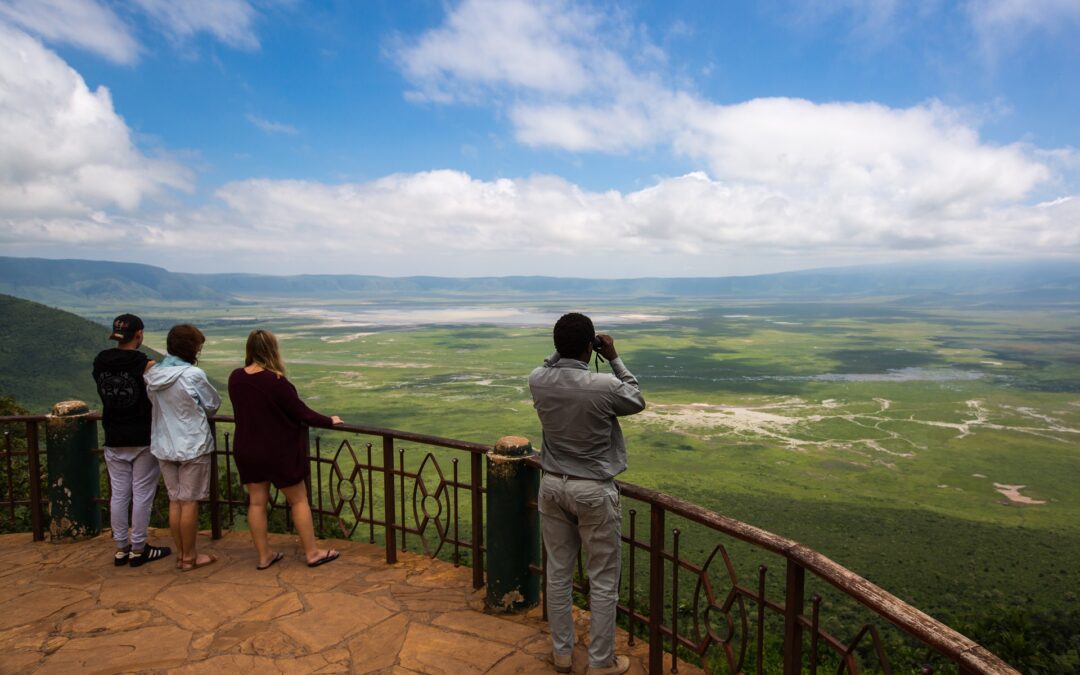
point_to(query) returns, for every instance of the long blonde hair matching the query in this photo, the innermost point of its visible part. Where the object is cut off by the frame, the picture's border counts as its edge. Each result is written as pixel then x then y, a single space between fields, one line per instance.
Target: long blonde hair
pixel 262 350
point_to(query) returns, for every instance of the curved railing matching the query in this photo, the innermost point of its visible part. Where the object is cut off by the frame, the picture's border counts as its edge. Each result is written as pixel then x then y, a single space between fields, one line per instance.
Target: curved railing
pixel 721 622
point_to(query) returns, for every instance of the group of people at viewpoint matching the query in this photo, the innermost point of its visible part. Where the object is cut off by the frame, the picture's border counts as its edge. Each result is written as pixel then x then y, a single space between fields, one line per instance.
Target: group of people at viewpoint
pixel 156 420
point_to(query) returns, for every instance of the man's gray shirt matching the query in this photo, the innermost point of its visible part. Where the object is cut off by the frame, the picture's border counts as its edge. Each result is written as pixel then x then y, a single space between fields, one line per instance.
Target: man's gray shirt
pixel 578 410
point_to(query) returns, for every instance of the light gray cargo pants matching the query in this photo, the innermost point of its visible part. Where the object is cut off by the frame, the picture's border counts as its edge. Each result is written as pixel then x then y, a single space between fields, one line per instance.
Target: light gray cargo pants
pixel 575 513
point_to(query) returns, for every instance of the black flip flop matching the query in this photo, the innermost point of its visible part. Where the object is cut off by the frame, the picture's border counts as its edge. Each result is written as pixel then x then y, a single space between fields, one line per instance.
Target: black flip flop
pixel 330 556
pixel 278 556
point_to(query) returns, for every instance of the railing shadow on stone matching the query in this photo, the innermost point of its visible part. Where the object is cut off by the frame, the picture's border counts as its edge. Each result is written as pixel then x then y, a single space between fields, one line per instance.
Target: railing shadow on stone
pixel 682 589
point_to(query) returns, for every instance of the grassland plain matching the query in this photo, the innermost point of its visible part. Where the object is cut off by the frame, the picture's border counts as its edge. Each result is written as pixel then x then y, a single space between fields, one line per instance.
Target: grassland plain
pixel 932 449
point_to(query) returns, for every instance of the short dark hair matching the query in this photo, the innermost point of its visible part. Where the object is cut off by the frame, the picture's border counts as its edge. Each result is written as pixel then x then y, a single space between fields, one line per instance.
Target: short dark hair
pixel 184 341
pixel 573 334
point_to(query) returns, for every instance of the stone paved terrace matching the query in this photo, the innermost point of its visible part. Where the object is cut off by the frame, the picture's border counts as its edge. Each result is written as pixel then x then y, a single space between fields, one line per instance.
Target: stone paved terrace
pixel 66 608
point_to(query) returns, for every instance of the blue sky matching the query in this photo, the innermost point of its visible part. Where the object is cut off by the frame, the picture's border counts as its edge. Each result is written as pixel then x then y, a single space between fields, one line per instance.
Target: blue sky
pixel 481 137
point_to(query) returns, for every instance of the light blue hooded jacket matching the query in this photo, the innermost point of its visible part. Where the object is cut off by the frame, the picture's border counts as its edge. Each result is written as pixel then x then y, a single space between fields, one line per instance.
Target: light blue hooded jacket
pixel 183 399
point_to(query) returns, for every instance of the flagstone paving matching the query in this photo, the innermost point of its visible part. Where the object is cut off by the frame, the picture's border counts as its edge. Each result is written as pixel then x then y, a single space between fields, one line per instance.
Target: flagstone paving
pixel 65 608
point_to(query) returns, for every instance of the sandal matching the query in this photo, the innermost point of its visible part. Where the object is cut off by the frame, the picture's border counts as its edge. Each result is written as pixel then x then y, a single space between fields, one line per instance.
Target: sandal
pixel 278 556
pixel 331 555
pixel 189 565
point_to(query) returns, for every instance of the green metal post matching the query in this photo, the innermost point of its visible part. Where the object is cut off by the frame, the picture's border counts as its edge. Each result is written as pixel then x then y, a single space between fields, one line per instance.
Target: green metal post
pixel 513 526
pixel 74 483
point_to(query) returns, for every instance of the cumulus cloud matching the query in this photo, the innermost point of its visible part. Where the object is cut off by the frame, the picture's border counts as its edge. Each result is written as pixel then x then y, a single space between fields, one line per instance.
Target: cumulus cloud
pixel 446 217
pixel 545 46
pixel 86 24
pixel 781 170
pixel 64 149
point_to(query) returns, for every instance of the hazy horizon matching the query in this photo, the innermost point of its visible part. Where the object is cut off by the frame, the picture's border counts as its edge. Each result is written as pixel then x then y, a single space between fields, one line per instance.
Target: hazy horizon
pixel 944 262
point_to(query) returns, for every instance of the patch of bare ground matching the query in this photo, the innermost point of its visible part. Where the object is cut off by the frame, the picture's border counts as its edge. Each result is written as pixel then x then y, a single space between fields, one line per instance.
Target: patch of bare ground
pixel 1012 493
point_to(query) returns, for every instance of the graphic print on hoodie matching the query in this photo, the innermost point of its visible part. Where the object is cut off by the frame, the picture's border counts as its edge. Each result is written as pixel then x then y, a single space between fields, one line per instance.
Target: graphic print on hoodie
pixel 118 374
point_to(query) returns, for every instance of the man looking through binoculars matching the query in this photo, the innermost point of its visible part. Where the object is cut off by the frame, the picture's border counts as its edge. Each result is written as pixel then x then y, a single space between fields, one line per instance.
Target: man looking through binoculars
pixel 582 452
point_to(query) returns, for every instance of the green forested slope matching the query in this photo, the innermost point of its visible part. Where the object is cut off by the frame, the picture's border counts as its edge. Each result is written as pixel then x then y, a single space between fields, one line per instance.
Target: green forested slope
pixel 46 354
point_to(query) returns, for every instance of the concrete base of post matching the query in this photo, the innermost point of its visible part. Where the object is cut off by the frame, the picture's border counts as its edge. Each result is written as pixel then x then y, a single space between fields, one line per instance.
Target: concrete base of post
pixel 513 526
pixel 73 475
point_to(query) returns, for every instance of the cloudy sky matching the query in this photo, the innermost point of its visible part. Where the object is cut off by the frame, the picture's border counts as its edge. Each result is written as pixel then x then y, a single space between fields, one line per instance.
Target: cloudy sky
pixel 490 137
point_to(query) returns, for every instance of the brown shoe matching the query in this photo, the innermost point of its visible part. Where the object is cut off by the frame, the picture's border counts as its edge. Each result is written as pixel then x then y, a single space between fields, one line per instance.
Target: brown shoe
pixel 618 666
pixel 563 662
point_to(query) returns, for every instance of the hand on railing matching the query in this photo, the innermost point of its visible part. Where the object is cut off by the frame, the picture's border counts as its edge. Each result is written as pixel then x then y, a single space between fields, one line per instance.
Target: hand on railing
pixel 336 420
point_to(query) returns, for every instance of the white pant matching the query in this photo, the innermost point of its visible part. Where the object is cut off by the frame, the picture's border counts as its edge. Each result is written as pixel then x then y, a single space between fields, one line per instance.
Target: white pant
pixel 133 479
pixel 573 513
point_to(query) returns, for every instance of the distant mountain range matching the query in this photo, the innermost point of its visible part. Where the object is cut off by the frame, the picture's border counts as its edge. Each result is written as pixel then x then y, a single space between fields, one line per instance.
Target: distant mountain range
pixel 80 282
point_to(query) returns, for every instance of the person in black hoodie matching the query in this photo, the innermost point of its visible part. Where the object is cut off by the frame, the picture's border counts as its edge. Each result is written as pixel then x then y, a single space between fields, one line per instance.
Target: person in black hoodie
pixel 133 471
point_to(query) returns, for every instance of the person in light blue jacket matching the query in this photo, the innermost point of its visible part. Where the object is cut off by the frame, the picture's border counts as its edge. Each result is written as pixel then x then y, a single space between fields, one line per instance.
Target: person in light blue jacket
pixel 180 436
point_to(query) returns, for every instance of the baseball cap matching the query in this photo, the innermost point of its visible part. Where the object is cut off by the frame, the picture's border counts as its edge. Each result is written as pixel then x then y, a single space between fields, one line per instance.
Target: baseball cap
pixel 125 326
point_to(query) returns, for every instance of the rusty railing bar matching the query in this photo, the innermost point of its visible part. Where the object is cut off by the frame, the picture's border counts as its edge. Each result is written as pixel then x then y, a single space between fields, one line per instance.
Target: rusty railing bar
pixel 401 497
pixel 762 570
pixel 674 599
pixel 476 469
pixel 215 488
pixel 33 464
pixel 318 475
pixel 228 477
pixel 370 497
pixel 10 475
pixel 457 516
pixel 656 588
pixel 632 585
pixel 793 607
pixel 388 499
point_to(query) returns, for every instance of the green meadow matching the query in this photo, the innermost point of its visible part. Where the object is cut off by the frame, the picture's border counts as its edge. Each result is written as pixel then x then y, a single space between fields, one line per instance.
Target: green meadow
pixel 931 449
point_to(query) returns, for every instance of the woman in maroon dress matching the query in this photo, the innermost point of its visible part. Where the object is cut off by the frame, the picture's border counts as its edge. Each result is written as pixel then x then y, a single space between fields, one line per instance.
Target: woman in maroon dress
pixel 269 445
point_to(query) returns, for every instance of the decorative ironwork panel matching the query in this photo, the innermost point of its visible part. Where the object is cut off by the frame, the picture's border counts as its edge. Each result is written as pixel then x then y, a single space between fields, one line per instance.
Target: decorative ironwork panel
pixel 431 505
pixel 720 616
pixel 348 488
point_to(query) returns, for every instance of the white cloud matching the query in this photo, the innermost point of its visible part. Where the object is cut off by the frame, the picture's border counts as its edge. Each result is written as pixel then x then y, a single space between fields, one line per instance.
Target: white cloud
pixel 541 46
pixel 86 24
pixel 64 150
pixel 230 21
pixel 784 171
pixel 780 179
pixel 999 24
pixel 408 223
pixel 271 127
pixel 94 26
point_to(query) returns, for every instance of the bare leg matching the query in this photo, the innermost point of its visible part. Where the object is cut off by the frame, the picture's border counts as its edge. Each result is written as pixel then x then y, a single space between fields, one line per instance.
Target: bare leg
pixel 301 517
pixel 258 498
pixel 189 530
pixel 174 528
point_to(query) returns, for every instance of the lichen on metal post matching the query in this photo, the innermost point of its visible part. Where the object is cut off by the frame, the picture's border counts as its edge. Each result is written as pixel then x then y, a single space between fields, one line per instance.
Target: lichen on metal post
pixel 74 484
pixel 513 526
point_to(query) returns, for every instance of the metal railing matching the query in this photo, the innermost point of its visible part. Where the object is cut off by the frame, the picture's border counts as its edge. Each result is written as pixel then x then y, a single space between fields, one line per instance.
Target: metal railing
pixel 721 623
pixel 342 491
